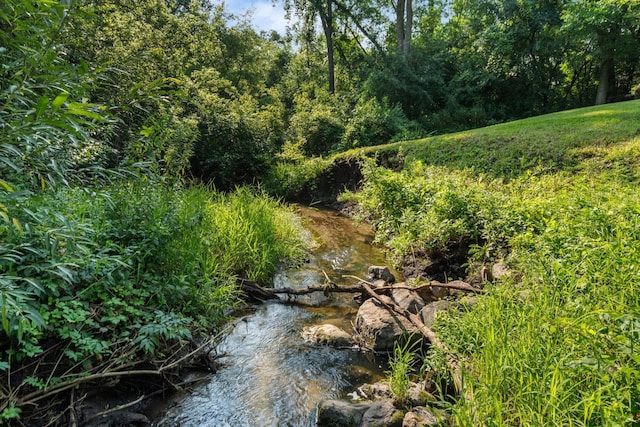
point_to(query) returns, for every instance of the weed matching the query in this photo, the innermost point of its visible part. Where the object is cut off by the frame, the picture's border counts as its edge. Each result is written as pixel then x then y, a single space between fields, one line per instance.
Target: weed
pixel 399 374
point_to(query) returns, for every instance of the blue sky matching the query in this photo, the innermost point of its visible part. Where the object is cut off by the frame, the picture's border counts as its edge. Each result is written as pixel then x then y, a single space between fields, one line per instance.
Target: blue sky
pixel 264 15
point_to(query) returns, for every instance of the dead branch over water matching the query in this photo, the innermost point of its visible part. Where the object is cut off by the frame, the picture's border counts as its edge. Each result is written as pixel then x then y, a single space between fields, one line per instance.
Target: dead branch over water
pixel 254 291
pixel 369 289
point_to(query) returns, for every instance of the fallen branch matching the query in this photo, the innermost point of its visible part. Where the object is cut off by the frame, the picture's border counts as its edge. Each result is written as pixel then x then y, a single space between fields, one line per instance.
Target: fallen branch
pixel 124 406
pixel 32 398
pixel 460 286
pixel 319 288
pixel 253 291
pixel 262 294
pixel 454 366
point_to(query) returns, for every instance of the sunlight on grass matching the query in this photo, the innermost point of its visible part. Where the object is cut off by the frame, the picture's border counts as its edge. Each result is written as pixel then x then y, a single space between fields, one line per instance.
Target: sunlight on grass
pixel 556 198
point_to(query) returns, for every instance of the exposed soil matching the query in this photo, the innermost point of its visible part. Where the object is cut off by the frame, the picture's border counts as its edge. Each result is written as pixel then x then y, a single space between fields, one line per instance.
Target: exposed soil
pixel 342 175
pixel 442 267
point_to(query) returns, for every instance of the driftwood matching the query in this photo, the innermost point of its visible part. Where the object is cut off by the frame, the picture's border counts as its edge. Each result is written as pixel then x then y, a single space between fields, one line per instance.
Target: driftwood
pixel 369 289
pixel 253 291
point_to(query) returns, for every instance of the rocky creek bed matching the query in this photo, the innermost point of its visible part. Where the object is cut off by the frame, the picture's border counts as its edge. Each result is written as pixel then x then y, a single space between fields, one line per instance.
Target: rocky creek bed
pixel 315 352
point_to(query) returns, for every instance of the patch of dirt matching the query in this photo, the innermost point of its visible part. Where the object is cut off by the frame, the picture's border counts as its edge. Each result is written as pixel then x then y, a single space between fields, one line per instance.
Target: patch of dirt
pixel 342 175
pixel 439 266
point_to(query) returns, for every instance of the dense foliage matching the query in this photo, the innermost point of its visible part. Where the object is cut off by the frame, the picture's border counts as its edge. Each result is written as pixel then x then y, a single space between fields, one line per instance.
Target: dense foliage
pixel 108 261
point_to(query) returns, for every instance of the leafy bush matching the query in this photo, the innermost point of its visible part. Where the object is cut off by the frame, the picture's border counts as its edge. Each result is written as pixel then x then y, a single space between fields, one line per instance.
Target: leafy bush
pixel 235 132
pixel 44 117
pixel 316 127
pixel 288 178
pixel 428 209
pixel 373 123
pixel 416 84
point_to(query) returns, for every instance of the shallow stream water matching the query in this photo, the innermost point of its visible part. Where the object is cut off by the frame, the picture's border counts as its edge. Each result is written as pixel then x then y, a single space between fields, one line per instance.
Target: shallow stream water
pixel 269 376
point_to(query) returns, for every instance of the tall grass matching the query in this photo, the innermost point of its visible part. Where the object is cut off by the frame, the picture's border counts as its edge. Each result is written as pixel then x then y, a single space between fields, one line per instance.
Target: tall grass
pixel 556 344
pixel 399 373
pixel 129 270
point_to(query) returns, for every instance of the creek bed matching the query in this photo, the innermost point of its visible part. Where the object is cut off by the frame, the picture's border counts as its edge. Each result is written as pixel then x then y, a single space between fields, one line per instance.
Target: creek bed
pixel 268 375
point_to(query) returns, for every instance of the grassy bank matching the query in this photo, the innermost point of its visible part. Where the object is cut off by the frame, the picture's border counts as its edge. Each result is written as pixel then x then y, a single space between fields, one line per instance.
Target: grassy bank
pixel 556 198
pixel 107 280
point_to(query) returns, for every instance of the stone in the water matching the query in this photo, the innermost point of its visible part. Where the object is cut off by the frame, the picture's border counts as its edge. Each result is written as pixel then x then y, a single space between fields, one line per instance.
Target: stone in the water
pixel 377 272
pixel 326 334
pixel 379 328
pixel 336 413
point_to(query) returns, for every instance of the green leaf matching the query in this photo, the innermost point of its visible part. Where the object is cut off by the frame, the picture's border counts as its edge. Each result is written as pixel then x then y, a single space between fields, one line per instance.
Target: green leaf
pixel 6 186
pixel 60 99
pixel 80 109
pixel 146 131
pixel 43 102
pixel 10 412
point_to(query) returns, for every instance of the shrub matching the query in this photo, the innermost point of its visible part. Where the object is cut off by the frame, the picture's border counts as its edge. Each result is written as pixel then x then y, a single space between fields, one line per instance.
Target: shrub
pixel 316 127
pixel 373 123
pixel 133 269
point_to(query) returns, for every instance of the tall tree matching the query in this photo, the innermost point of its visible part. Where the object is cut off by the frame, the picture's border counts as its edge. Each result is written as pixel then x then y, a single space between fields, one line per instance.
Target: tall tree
pixel 404 24
pixel 611 30
pixel 325 10
pixel 307 11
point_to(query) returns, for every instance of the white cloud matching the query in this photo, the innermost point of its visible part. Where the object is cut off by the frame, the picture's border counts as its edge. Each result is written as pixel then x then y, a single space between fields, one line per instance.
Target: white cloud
pixel 268 17
pixel 264 16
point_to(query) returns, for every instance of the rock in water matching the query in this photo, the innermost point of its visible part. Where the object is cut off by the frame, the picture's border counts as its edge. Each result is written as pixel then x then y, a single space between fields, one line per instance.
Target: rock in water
pixel 326 334
pixel 379 328
pixel 377 272
pixel 336 413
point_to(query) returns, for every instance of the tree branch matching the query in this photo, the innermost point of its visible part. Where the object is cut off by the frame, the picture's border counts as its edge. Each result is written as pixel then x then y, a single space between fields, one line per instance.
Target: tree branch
pixel 38 395
pixel 454 366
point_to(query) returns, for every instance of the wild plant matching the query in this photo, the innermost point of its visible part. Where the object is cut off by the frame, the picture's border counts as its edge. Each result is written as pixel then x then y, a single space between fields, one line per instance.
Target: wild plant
pixel 555 344
pixel 400 370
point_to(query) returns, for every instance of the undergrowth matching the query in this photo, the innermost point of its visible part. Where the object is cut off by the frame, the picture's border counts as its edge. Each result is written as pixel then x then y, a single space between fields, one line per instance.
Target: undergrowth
pixel 108 278
pixel 558 343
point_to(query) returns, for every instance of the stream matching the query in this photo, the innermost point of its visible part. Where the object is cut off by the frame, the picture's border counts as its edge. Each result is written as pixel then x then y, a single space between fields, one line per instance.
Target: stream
pixel 268 375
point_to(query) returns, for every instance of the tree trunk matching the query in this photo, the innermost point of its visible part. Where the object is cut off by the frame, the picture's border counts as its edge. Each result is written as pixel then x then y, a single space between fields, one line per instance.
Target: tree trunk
pixel 326 16
pixel 606 71
pixel 408 28
pixel 400 24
